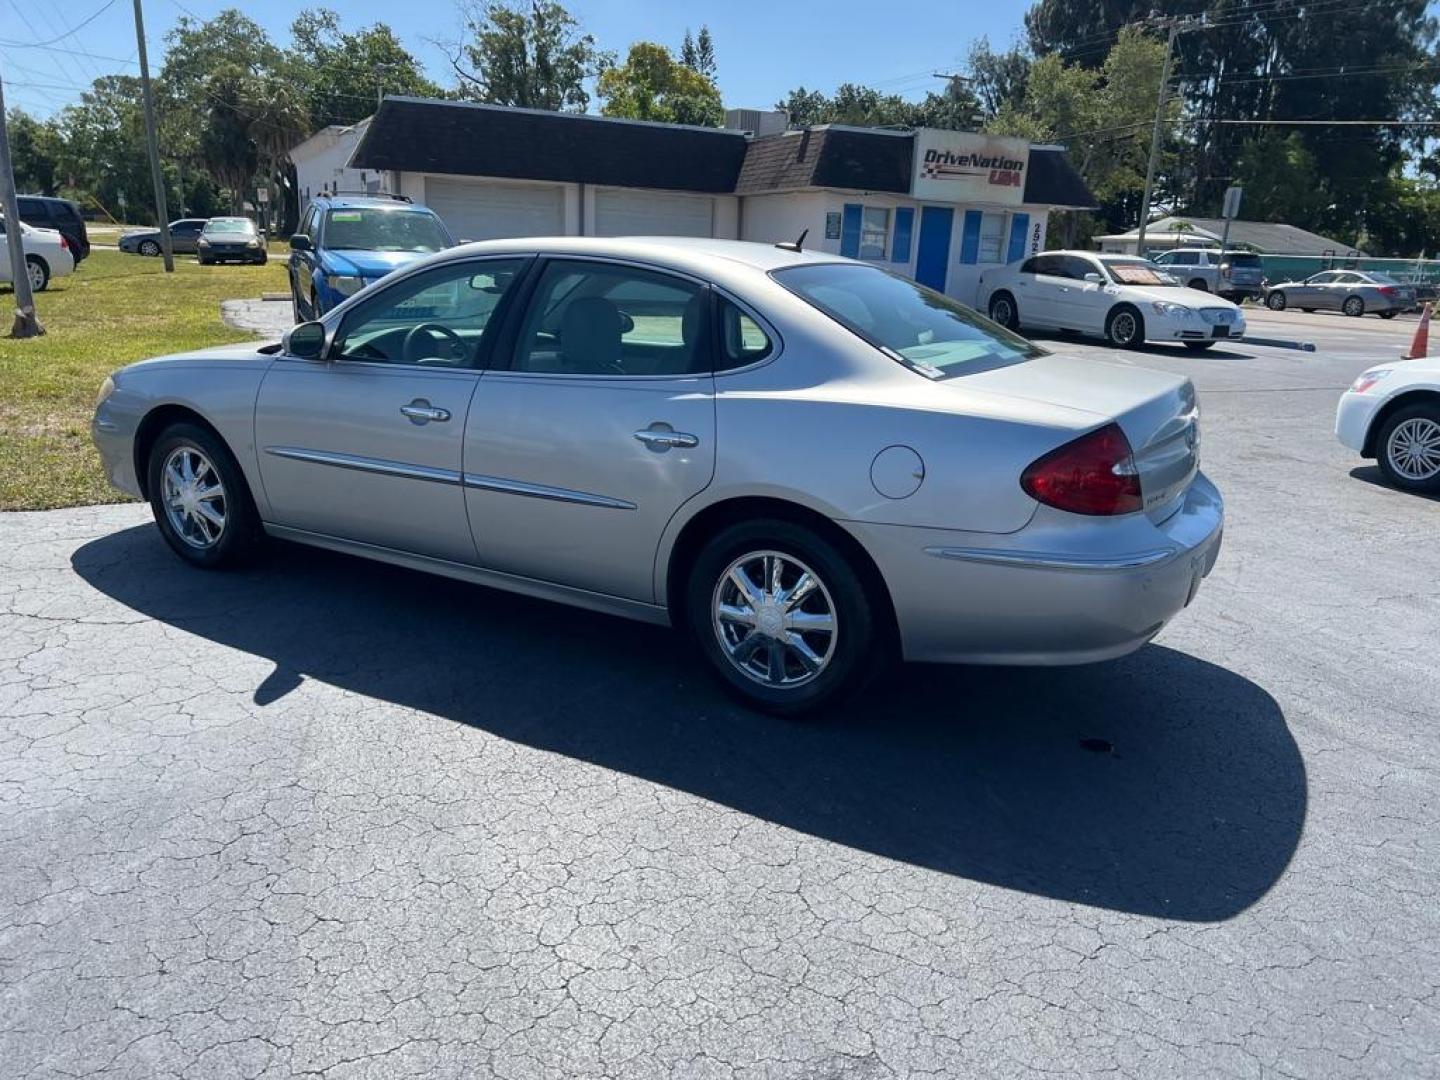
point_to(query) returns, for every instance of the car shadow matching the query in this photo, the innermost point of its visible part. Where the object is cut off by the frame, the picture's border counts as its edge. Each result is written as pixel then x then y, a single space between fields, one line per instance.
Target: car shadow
pixel 1371 474
pixel 1160 784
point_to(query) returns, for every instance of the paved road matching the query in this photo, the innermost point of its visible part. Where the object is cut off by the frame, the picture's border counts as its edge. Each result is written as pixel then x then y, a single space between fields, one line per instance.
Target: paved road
pixel 328 818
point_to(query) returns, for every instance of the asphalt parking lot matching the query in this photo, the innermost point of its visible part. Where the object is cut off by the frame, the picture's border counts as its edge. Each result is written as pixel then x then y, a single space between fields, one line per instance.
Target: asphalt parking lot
pixel 324 817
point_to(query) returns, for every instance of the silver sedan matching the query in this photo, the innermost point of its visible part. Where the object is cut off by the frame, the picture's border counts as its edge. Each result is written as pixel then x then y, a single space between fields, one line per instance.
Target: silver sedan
pixel 1355 292
pixel 809 464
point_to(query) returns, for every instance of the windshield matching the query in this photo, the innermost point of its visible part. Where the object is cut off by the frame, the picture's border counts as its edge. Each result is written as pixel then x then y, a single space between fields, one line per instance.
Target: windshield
pixel 384 230
pixel 1137 272
pixel 931 333
pixel 229 225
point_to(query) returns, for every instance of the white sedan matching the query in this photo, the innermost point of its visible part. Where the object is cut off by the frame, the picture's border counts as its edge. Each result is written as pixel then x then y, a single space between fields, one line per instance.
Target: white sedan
pixel 1127 300
pixel 1392 414
pixel 47 255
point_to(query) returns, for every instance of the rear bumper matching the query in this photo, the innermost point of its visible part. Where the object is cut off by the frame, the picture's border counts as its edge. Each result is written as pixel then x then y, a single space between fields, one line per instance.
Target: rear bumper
pixel 1063 590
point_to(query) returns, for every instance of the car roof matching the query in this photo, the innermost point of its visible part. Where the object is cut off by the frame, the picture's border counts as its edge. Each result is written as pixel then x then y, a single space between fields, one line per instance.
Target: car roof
pixel 681 252
pixel 359 202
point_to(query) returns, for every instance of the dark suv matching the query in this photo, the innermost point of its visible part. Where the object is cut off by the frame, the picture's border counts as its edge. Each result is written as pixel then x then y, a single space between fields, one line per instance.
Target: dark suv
pixel 62 215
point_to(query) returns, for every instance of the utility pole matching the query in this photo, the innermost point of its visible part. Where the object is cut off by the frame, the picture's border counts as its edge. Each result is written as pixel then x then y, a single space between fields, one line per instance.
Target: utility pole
pixel 27 323
pixel 153 140
pixel 1175 27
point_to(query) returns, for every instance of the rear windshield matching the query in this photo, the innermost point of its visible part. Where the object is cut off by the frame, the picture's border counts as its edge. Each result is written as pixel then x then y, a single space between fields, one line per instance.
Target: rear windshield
pixel 928 332
pixel 1247 259
pixel 363 229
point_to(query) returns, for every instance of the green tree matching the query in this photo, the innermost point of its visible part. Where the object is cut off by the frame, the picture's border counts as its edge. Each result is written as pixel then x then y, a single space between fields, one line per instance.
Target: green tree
pixel 344 71
pixel 955 107
pixel 103 159
pixel 531 55
pixel 653 85
pixel 35 149
pixel 999 78
pixel 1281 178
pixel 698 53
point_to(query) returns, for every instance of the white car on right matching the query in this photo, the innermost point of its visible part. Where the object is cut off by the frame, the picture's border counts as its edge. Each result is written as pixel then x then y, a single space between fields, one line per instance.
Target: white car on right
pixel 1392 413
pixel 1127 300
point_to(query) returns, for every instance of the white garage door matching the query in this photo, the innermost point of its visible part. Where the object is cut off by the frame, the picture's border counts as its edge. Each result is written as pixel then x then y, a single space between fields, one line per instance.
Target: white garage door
pixel 652 213
pixel 475 210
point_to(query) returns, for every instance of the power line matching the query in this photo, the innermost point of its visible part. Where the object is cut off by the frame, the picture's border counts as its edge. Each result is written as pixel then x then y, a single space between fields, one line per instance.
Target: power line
pixel 69 33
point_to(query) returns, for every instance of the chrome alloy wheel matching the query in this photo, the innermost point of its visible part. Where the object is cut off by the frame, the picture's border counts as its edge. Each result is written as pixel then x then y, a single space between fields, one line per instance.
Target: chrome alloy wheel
pixel 1124 329
pixel 194 497
pixel 1414 448
pixel 37 276
pixel 774 619
pixel 1001 311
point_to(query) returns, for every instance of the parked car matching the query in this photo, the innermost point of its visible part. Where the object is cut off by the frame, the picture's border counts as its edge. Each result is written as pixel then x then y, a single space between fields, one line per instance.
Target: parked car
pixel 1355 292
pixel 47 255
pixel 1235 275
pixel 62 215
pixel 346 242
pixel 231 239
pixel 1392 413
pixel 1127 299
pixel 184 238
pixel 807 462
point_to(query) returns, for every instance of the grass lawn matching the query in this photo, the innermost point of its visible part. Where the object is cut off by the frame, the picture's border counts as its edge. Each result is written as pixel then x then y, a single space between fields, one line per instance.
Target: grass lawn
pixel 114 310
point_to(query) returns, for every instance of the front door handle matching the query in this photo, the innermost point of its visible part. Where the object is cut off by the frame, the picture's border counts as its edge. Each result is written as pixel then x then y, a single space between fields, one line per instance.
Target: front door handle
pixel 661 437
pixel 421 411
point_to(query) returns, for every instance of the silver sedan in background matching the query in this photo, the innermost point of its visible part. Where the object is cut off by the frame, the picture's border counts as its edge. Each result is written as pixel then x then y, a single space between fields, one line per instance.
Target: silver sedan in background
pixel 1355 292
pixel 809 464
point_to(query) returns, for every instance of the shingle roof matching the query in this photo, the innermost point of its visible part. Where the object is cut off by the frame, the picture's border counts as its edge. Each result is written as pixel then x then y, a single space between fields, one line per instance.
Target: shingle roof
pixel 1269 237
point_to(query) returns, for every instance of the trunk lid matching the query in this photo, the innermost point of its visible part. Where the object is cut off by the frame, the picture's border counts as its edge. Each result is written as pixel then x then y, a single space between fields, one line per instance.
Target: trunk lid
pixel 1156 410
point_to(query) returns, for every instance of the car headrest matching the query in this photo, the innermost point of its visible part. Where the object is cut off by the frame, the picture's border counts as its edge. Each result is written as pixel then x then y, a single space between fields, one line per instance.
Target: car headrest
pixel 590 333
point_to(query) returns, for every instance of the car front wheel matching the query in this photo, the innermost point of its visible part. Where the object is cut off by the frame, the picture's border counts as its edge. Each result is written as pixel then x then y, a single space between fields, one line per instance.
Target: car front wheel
pixel 1125 328
pixel 149 247
pixel 199 498
pixel 1409 448
pixel 1275 301
pixel 782 617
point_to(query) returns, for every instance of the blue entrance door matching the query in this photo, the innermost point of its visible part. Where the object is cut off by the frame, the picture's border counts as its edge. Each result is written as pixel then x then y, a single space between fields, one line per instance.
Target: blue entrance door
pixel 932 253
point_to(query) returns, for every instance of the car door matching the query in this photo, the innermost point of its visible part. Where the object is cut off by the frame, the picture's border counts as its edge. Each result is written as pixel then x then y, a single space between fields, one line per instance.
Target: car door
pixel 1040 286
pixel 594 427
pixel 1317 291
pixel 367 443
pixel 301 265
pixel 1086 303
pixel 185 236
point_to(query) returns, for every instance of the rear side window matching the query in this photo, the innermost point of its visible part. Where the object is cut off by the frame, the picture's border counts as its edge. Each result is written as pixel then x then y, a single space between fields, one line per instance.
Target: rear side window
pixel 926 331
pixel 65 211
pixel 742 340
pixel 32 210
pixel 1185 258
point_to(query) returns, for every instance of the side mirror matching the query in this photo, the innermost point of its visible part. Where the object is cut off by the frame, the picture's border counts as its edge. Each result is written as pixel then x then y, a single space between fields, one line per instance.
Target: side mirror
pixel 301 242
pixel 1094 277
pixel 307 341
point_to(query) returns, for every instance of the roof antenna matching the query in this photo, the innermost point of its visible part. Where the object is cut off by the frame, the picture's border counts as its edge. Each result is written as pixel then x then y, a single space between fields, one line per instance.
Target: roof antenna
pixel 797 244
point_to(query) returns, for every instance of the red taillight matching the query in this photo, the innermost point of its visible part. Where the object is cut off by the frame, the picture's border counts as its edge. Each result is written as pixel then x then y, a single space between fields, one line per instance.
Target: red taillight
pixel 64 244
pixel 1094 474
pixel 1389 290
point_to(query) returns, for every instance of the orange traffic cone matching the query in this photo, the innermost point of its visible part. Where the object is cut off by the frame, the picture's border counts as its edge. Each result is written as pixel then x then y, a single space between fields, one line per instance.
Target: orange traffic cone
pixel 1420 347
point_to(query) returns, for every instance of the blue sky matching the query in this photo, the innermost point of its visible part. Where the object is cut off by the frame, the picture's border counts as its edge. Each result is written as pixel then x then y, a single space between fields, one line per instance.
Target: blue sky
pixel 763 48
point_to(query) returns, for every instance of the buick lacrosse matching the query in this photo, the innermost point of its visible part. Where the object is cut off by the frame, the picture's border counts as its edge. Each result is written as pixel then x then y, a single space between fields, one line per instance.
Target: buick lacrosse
pixel 809 464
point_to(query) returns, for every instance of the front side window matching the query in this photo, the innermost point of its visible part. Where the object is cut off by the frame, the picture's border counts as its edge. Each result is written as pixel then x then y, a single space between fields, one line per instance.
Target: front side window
pixel 434 318
pixel 593 318
pixel 874 229
pixel 924 330
pixel 383 229
pixel 992 238
pixel 1322 279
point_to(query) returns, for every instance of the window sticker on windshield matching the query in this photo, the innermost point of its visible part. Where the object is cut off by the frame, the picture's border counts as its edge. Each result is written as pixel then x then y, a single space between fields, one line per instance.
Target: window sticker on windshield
pixel 1135 274
pixel 345 215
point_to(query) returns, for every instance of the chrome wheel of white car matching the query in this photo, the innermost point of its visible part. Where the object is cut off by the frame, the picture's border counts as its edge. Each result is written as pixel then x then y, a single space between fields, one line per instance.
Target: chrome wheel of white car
pixel 39 273
pixel 1413 448
pixel 1125 329
pixel 194 497
pixel 774 619
pixel 1002 311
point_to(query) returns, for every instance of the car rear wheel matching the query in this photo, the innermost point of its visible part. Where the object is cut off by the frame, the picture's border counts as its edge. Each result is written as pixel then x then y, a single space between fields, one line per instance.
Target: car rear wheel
pixel 199 498
pixel 1004 312
pixel 1125 328
pixel 1354 306
pixel 782 617
pixel 1409 448
pixel 149 247
pixel 1200 284
pixel 39 273
pixel 1388 314
pixel 1275 301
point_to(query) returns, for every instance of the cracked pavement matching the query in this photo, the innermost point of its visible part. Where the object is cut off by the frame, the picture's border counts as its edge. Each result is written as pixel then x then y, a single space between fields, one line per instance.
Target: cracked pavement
pixel 328 818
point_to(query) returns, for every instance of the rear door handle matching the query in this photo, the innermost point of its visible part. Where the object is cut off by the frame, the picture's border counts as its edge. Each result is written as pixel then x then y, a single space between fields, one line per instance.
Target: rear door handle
pixel 421 411
pixel 663 438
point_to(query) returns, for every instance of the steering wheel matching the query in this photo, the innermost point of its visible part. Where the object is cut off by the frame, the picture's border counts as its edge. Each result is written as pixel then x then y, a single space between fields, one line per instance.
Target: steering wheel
pixel 412 341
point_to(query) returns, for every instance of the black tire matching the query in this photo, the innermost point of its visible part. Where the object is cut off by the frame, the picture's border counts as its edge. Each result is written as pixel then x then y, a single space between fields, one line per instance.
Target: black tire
pixel 1354 306
pixel 1422 415
pixel 855 652
pixel 39 271
pixel 1199 346
pixel 1308 310
pixel 1004 310
pixel 1387 314
pixel 148 247
pixel 1275 301
pixel 202 260
pixel 1116 324
pixel 1200 285
pixel 240 534
pixel 263 259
